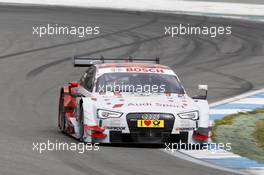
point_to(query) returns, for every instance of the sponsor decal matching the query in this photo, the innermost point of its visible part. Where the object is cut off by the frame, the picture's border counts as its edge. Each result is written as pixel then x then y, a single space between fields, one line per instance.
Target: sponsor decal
pixel 145 70
pixel 150 123
pixel 157 104
pixel 117 105
pixel 167 105
pixel 140 104
pixel 159 70
pixel 116 128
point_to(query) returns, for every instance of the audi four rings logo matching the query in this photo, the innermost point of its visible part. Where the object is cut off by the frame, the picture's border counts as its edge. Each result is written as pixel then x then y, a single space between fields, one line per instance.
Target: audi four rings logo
pixel 150 116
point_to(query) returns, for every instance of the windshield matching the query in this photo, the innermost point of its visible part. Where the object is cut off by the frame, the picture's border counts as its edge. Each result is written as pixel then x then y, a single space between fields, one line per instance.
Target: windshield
pixel 139 82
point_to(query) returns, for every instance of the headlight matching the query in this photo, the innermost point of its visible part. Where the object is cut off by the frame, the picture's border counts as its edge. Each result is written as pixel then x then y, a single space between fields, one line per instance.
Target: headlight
pixel 104 114
pixel 194 115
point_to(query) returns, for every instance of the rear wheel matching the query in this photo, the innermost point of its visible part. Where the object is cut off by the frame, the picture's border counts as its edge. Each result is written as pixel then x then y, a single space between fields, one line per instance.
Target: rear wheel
pixel 61 114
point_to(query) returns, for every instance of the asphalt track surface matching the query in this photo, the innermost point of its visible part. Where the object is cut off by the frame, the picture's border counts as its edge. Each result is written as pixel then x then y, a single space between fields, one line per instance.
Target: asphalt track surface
pixel 32 69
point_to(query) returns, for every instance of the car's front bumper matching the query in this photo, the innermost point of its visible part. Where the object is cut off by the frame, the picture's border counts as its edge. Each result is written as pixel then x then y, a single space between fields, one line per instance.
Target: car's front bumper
pixel 147 137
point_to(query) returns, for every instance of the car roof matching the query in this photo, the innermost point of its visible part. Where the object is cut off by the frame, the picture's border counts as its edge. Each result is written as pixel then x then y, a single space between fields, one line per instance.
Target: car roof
pixel 126 65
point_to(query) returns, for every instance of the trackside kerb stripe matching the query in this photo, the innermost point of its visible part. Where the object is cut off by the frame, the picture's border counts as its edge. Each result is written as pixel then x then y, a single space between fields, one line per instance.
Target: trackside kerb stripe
pixel 239 106
pixel 216 116
pixel 235 162
pixel 260 95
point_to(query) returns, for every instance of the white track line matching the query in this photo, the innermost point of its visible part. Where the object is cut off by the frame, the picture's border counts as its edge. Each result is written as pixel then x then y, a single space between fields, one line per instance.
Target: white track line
pixel 227 111
pixel 224 8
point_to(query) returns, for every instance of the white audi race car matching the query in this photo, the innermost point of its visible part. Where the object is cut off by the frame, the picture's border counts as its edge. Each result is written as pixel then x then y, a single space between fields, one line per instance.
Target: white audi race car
pixel 131 101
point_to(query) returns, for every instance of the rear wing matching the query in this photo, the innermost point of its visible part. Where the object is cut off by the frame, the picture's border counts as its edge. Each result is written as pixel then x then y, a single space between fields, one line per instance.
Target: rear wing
pixel 87 62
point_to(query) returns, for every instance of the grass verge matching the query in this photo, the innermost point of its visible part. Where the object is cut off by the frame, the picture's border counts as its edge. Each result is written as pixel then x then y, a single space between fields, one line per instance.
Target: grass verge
pixel 259 133
pixel 245 132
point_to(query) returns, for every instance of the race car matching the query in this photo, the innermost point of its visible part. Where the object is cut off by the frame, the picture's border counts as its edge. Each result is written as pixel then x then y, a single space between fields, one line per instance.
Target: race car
pixel 131 101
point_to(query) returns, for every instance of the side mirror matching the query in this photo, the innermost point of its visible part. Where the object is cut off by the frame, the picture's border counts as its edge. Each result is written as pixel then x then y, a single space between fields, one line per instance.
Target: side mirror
pixel 72 85
pixel 203 88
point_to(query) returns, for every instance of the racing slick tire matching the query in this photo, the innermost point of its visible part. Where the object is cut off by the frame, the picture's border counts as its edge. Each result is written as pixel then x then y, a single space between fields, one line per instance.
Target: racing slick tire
pixel 80 119
pixel 61 113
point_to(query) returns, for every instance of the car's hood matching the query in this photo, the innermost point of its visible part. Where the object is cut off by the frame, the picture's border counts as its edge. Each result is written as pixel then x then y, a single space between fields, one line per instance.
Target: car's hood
pixel 140 102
